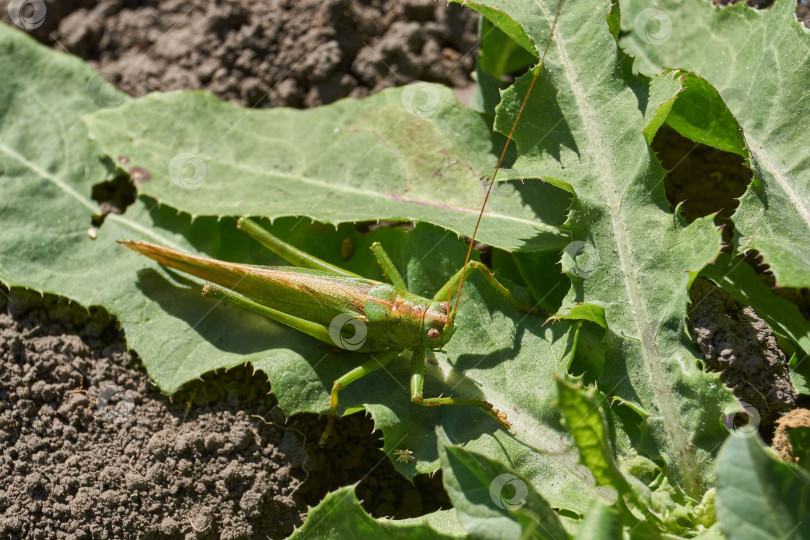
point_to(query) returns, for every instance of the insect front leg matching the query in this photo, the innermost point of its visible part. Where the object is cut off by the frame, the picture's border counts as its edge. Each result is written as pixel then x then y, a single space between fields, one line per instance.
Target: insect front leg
pixel 360 371
pixel 452 284
pixel 387 266
pixel 417 383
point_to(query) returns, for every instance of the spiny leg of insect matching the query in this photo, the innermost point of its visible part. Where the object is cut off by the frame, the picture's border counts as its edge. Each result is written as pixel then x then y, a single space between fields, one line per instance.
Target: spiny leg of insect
pixel 418 380
pixel 490 278
pixel 360 371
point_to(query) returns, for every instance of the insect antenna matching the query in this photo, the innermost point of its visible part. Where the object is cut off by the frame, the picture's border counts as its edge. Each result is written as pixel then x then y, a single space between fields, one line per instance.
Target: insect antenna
pixel 503 155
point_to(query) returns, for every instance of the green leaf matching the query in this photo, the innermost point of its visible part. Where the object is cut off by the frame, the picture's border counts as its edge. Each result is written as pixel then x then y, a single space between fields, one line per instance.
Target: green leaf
pixel 585 420
pixel 600 522
pixel 758 60
pixel 504 23
pixel 584 130
pixel 521 269
pixel 48 170
pixel 800 442
pixel 589 356
pixel 665 508
pixel 491 500
pixel 410 154
pixel 500 55
pixel 503 355
pixel 700 114
pixel 759 497
pixel 340 515
pixel 799 374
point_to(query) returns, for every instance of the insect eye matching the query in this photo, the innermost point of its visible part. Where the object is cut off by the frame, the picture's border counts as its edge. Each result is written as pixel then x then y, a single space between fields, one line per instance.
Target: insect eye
pixel 433 333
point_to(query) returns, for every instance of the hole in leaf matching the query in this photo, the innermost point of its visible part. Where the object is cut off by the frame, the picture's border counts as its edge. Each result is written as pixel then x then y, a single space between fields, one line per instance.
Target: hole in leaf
pixel 799 297
pixel 705 179
pixel 113 197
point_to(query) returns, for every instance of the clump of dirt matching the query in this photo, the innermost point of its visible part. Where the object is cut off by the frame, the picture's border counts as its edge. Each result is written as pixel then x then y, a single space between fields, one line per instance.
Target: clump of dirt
pixel 90 448
pixel 274 53
pixel 739 344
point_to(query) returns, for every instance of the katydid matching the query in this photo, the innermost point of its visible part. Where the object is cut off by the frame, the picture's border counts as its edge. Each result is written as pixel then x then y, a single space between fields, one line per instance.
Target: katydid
pixel 323 300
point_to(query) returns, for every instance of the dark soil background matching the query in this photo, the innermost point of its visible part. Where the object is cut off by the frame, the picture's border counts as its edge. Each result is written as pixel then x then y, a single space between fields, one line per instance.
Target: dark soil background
pixel 89 448
pixel 296 53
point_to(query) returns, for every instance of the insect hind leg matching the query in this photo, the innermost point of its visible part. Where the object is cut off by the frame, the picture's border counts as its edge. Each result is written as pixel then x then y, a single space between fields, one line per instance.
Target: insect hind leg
pixel 286 251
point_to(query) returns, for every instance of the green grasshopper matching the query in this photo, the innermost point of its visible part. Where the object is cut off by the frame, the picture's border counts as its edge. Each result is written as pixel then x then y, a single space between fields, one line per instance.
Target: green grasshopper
pixel 319 299
pixel 323 300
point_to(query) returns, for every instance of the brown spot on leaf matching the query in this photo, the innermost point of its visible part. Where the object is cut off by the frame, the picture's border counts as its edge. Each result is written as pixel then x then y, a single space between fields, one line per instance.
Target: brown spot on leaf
pixel 139 175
